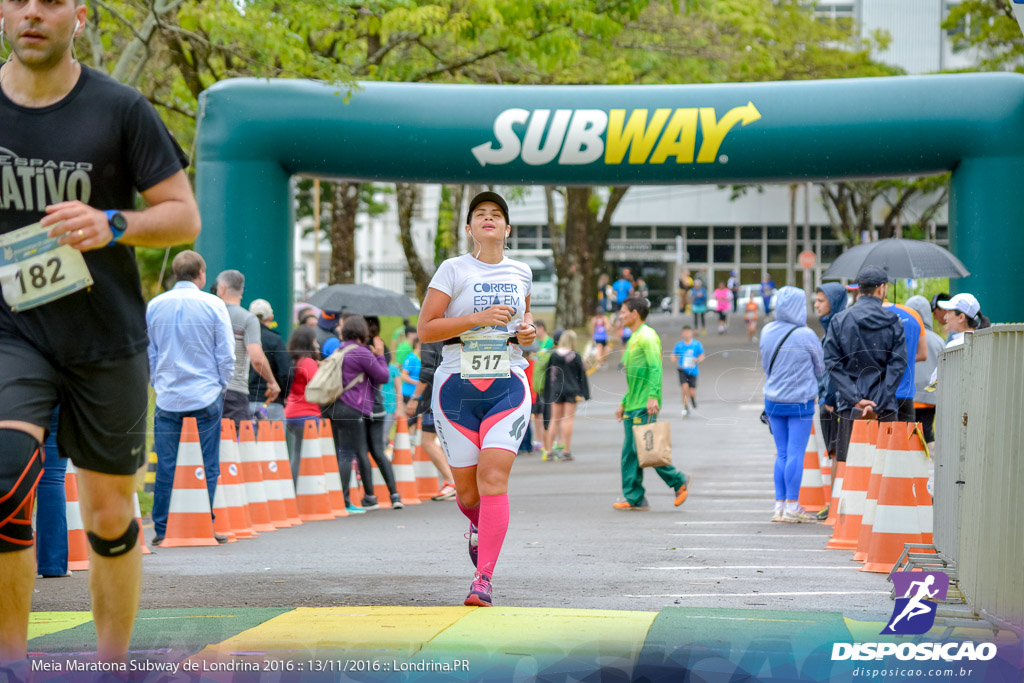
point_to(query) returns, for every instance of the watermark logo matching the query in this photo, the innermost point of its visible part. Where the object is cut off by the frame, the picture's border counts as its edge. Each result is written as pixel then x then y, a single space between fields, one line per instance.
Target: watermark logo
pixel 914 612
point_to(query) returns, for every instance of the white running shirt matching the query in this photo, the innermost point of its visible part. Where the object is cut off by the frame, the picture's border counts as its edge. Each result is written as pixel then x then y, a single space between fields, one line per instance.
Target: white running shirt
pixel 475 286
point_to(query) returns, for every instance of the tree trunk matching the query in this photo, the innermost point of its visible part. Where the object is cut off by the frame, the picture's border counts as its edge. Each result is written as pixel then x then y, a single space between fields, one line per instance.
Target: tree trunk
pixel 405 194
pixel 344 208
pixel 446 240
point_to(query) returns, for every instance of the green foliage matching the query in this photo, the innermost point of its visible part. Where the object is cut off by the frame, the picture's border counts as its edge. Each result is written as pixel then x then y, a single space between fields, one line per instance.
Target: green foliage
pixel 988 27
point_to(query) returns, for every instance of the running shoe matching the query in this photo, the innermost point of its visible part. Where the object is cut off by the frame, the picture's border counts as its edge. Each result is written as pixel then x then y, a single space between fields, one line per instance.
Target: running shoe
pixel 545 456
pixel 354 510
pixel 474 542
pixel 798 516
pixel 479 592
pixel 626 505
pixel 777 515
pixel 447 492
pixel 370 503
pixel 396 501
pixel 567 456
pixel 683 491
pixel 685 413
pixel 823 513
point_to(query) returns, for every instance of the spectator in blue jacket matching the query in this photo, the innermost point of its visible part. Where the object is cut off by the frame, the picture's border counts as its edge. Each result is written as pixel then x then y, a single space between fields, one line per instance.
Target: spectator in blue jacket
pixel 792 360
pixel 865 354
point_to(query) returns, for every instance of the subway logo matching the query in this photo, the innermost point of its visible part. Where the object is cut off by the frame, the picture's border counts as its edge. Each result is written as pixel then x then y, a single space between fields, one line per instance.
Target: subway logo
pixel 583 136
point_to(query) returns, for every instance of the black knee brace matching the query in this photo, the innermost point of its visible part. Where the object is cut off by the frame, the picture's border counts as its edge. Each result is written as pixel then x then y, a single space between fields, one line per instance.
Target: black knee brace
pixel 21 466
pixel 119 546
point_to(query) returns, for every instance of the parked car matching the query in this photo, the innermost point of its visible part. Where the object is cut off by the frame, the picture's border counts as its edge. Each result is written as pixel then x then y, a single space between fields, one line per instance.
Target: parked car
pixel 748 291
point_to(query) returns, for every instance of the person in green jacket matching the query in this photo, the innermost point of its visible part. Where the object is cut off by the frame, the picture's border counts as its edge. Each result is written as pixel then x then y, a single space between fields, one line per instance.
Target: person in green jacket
pixel 641 361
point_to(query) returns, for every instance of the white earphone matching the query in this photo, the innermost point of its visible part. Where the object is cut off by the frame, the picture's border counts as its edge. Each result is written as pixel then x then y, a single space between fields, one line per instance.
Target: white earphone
pixel 78 25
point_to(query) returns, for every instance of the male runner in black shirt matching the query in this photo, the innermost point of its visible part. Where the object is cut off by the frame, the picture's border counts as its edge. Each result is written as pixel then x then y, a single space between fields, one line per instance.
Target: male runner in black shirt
pixel 75 146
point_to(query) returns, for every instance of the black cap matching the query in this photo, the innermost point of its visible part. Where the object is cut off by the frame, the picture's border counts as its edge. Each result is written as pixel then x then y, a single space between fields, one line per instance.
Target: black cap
pixel 943 296
pixel 487 197
pixel 872 276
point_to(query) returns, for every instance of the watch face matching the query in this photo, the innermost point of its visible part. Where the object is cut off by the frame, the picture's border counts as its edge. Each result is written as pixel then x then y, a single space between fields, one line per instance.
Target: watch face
pixel 119 222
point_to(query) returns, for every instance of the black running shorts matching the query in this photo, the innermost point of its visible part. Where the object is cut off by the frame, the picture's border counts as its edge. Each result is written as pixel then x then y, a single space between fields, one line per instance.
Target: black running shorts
pixel 687 378
pixel 102 426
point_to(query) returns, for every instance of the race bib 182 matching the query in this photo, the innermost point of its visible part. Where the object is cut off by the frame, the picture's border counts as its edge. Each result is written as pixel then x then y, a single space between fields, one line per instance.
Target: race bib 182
pixel 35 269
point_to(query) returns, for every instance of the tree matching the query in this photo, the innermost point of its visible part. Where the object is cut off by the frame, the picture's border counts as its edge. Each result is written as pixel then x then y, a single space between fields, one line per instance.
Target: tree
pixel 990 28
pixel 850 205
pixel 406 195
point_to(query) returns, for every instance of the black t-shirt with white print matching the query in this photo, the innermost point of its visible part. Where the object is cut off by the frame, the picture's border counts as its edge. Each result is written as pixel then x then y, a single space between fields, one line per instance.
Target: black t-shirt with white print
pixel 100 144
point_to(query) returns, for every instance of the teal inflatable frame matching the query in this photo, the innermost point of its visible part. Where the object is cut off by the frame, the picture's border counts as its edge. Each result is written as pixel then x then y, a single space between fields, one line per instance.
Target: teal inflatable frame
pixel 254 135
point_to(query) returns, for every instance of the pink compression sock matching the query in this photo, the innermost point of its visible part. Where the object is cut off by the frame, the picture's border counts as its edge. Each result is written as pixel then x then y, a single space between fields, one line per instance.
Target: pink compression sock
pixel 473 514
pixel 493 525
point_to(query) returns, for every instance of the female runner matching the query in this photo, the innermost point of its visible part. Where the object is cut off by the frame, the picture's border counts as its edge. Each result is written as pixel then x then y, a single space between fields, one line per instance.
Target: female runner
pixel 479 305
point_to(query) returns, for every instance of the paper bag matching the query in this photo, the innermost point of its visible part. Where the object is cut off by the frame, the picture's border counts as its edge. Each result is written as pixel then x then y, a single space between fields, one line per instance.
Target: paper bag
pixel 653 444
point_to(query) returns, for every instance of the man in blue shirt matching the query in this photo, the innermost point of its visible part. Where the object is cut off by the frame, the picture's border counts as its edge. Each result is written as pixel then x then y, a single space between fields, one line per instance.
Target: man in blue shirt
pixel 688 354
pixel 913 331
pixel 191 361
pixel 767 289
pixel 411 370
pixel 623 287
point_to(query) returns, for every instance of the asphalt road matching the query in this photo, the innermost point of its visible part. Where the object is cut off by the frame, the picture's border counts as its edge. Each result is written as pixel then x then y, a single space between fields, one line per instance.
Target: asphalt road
pixel 566 545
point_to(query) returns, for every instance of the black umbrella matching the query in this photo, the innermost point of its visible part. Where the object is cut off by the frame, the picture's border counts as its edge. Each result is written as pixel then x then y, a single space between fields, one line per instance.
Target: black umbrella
pixel 363 300
pixel 900 258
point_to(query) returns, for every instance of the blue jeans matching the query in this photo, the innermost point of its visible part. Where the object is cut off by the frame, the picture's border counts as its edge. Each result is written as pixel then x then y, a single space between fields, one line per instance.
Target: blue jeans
pixel 295 428
pixel 51 511
pixel 166 435
pixel 791 433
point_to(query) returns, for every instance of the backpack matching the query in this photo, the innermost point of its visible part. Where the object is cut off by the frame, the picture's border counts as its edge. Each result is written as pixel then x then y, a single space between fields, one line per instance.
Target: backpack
pixel 325 387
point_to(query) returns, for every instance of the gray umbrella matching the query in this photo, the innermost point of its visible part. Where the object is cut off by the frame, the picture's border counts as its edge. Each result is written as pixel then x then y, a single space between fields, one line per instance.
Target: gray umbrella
pixel 900 258
pixel 363 300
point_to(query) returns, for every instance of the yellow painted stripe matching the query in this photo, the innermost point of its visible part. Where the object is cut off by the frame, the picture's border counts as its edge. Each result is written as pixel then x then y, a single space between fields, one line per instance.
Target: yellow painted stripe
pixel 45 623
pixel 501 632
pixel 397 632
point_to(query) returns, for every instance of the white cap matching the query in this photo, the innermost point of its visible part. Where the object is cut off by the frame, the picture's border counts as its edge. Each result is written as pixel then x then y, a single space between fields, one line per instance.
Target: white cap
pixel 261 309
pixel 965 303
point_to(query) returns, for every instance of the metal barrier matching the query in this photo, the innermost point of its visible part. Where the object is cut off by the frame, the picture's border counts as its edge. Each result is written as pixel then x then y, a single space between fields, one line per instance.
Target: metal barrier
pixel 979 470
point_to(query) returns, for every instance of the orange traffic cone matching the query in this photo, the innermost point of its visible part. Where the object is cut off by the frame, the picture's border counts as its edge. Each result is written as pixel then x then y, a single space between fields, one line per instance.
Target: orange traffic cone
pixel 232 483
pixel 426 473
pixel 826 478
pixel 896 517
pixel 252 475
pixel 837 488
pixel 401 464
pixel 882 447
pixel 138 520
pixel 812 492
pixel 284 473
pixel 332 478
pixel 311 495
pixel 189 522
pixel 78 544
pixel 269 470
pixel 855 488
pixel 380 489
pixel 925 511
pixel 221 516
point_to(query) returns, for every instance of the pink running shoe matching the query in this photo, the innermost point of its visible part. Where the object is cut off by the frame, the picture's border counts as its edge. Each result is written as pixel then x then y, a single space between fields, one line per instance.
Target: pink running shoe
pixel 479 592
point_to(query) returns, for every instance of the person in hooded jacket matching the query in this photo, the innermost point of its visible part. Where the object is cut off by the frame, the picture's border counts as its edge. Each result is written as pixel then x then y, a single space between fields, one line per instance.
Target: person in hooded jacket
pixel 924 401
pixel 792 360
pixel 829 300
pixel 865 355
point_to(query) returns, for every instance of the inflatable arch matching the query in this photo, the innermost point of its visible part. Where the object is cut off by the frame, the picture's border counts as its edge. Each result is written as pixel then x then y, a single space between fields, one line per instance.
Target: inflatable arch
pixel 254 135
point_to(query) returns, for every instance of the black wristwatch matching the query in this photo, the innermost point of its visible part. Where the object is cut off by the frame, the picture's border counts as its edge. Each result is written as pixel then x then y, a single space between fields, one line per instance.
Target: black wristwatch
pixel 118 224
pixel 415 398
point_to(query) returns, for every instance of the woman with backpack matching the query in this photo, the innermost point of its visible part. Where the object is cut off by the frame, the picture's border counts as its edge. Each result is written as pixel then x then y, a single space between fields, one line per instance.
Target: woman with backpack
pixel 363 368
pixel 792 359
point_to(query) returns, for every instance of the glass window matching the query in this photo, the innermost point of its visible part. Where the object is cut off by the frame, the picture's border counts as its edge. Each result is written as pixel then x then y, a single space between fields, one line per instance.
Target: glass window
pixel 827 232
pixel 942 232
pixel 750 233
pixel 750 253
pixel 663 233
pixel 725 233
pixel 724 253
pixel 638 232
pixel 526 231
pixel 697 253
pixel 777 232
pixel 696 233
pixel 776 253
pixel 830 252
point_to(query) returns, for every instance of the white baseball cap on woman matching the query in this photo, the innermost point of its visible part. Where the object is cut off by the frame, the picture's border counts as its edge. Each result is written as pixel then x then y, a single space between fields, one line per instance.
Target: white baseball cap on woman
pixel 964 303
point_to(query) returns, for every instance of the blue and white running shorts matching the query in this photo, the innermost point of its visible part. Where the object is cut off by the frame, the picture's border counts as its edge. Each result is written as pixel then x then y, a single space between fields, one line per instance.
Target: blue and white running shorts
pixel 471 415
